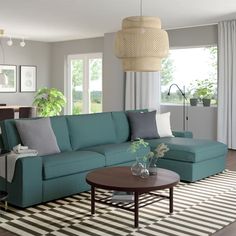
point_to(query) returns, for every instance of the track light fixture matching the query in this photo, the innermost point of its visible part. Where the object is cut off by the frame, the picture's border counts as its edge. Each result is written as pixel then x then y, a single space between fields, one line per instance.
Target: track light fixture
pixel 9 42
pixel 22 43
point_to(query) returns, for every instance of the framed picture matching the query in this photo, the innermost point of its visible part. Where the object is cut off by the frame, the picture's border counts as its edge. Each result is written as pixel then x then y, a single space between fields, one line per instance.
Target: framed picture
pixel 28 78
pixel 7 78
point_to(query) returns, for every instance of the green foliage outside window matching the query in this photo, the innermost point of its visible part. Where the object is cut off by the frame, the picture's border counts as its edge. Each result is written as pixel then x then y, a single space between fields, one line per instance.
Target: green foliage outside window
pixel 201 88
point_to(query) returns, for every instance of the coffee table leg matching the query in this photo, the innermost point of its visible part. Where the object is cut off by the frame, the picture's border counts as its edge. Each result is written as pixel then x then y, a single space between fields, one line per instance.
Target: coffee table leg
pixel 171 203
pixel 92 200
pixel 136 195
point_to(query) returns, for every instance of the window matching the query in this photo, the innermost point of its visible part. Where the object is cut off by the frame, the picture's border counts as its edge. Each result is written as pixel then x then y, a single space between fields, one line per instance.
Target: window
pixel 192 69
pixel 85 83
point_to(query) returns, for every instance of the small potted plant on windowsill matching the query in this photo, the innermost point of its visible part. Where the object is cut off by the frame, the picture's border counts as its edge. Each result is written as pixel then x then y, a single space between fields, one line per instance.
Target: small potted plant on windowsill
pixel 204 91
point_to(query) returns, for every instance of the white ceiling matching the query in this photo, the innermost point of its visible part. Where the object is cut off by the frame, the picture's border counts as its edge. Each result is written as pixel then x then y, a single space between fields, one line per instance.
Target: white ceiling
pixel 59 20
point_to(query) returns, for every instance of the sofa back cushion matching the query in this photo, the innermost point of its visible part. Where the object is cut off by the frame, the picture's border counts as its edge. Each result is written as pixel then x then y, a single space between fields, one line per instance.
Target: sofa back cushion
pixel 60 128
pixel 91 130
pixel 59 125
pixel 121 126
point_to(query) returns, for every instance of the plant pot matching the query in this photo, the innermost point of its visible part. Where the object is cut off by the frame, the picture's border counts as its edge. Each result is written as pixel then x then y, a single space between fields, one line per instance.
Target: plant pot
pixel 206 102
pixel 193 101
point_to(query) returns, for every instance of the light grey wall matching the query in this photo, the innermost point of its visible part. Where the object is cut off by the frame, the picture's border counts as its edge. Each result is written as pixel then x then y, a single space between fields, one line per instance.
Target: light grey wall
pixel 194 36
pixel 34 53
pixel 113 77
pixel 61 50
pixel 202 121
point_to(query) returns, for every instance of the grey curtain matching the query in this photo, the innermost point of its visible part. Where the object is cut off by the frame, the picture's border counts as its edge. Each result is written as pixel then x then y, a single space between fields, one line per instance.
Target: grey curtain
pixel 226 131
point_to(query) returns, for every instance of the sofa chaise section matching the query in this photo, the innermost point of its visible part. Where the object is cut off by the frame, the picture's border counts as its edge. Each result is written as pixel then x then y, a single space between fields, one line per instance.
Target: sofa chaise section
pixel 193 159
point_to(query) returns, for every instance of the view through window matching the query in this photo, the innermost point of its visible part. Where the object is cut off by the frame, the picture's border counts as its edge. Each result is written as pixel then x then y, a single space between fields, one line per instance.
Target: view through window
pixel 86 83
pixel 194 69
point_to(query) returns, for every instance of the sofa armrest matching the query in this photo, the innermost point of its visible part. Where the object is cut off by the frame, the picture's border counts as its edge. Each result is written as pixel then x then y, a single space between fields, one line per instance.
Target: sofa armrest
pixel 26 188
pixel 183 134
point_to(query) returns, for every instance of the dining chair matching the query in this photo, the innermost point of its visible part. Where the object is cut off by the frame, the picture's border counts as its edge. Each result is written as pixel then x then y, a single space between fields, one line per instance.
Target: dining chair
pixel 27 112
pixel 6 113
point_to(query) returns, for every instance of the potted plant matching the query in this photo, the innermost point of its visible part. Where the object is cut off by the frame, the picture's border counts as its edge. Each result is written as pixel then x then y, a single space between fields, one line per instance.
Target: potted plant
pixel 204 91
pixel 49 102
pixel 193 101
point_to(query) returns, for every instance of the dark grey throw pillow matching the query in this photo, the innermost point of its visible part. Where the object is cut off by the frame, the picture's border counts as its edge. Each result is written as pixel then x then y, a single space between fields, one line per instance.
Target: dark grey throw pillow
pixel 38 134
pixel 143 125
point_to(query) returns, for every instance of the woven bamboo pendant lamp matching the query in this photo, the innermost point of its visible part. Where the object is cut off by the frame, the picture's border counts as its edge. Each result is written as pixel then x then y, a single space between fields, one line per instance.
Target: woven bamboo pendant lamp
pixel 141 44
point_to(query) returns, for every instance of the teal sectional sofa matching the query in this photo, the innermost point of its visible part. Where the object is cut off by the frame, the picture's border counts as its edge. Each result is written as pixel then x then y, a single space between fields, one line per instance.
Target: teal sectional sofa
pixel 93 141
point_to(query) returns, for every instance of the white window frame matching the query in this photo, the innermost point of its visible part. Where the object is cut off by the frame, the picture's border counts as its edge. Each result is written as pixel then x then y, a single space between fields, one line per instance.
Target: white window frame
pixel 86 87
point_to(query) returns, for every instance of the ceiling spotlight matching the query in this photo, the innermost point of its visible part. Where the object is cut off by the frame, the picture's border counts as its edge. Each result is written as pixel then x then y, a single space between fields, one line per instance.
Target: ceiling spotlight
pixel 22 43
pixel 9 42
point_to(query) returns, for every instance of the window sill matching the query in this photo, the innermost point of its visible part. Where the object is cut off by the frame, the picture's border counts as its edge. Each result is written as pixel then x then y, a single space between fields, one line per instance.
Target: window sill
pixel 187 105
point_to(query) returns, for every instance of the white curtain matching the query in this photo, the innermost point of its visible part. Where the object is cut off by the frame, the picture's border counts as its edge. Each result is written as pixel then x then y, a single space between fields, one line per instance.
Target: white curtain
pixel 226 132
pixel 142 90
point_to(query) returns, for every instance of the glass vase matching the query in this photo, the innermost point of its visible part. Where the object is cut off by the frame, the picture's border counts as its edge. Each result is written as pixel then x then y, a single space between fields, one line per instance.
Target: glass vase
pixel 144 171
pixel 152 166
pixel 136 167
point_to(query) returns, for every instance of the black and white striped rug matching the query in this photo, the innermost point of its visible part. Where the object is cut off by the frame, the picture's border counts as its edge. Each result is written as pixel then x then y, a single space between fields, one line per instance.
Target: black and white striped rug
pixel 200 208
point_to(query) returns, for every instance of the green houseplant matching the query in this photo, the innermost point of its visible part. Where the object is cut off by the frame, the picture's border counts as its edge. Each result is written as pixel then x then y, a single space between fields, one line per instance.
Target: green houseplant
pixel 204 91
pixel 49 101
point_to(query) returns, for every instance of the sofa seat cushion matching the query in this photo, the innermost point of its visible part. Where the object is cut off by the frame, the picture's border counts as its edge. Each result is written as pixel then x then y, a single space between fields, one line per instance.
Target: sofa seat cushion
pixel 118 153
pixel 68 163
pixel 190 150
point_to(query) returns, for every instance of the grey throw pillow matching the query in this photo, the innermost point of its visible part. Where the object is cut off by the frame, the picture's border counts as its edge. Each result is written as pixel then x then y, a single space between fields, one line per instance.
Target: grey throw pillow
pixel 143 125
pixel 38 134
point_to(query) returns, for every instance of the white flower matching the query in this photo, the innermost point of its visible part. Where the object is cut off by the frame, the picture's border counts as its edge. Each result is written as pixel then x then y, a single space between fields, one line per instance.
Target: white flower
pixel 161 149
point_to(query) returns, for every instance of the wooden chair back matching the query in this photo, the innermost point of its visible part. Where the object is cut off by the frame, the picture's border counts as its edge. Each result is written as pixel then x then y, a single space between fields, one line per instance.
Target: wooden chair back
pixel 27 112
pixel 7 113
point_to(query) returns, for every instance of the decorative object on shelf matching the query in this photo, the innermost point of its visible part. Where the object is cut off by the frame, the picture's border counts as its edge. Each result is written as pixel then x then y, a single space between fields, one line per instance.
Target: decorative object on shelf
pixel 185 114
pixel 141 44
pixel 119 196
pixel 49 102
pixel 28 76
pixel 7 78
pixel 147 164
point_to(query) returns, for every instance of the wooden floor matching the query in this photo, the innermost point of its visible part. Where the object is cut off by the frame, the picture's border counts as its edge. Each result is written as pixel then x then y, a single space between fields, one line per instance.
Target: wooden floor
pixel 227 231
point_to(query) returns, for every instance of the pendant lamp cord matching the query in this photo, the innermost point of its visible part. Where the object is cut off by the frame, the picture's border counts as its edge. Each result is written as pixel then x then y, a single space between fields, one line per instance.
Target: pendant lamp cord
pixel 141 8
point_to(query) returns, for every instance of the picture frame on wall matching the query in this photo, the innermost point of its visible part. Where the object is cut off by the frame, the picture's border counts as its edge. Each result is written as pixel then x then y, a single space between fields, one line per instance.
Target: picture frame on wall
pixel 28 78
pixel 8 76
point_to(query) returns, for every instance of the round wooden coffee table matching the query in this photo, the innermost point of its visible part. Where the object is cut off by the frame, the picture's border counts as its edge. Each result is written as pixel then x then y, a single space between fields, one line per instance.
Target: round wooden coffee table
pixel 121 179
